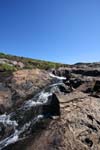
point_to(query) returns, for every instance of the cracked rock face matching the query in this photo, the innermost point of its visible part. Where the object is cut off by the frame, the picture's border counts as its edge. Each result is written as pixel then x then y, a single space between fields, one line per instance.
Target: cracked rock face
pixel 80 114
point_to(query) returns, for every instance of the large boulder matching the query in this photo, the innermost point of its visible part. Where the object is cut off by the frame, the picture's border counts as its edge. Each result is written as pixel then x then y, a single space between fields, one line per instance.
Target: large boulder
pixel 97 86
pixel 52 107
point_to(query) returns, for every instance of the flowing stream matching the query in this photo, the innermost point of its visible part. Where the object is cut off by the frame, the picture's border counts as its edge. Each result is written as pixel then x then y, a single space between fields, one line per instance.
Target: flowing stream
pixel 20 122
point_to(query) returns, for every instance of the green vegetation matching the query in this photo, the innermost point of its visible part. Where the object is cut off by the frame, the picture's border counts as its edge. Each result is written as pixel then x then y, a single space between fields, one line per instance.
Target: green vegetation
pixel 28 63
pixel 6 67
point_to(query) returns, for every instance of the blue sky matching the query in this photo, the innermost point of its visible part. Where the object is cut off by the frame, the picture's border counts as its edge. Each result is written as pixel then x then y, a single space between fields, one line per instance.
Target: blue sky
pixel 66 31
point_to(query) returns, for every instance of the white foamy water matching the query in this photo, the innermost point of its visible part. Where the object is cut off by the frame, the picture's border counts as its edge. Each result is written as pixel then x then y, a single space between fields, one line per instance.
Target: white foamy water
pixel 13 139
pixel 9 140
pixel 31 103
pixel 36 119
pixel 43 97
pixel 40 116
pixel 27 125
pixel 56 84
pixel 5 119
pixel 15 136
pixel 57 77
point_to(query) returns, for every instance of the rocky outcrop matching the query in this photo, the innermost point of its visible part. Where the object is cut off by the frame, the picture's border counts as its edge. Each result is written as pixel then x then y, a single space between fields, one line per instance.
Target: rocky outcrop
pixel 12 63
pixel 20 86
pixel 71 114
pixel 80 121
pixel 81 77
pixel 84 70
pixel 77 128
pixel 26 82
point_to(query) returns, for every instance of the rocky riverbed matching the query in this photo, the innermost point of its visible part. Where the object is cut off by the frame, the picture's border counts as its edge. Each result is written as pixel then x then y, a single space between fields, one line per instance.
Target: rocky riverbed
pixel 56 109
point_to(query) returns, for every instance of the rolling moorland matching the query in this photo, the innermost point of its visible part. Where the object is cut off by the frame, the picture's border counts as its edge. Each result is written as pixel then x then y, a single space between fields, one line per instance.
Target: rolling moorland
pixel 49 106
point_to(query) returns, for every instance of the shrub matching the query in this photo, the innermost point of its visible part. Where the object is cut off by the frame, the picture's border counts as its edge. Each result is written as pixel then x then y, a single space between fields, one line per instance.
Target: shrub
pixel 7 67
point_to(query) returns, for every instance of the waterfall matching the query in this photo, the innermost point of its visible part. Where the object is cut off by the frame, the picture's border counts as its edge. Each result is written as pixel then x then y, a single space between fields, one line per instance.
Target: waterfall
pixel 57 77
pixel 20 127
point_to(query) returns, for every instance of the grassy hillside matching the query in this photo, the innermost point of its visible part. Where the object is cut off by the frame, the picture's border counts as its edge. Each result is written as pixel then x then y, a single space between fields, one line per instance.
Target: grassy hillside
pixel 28 63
